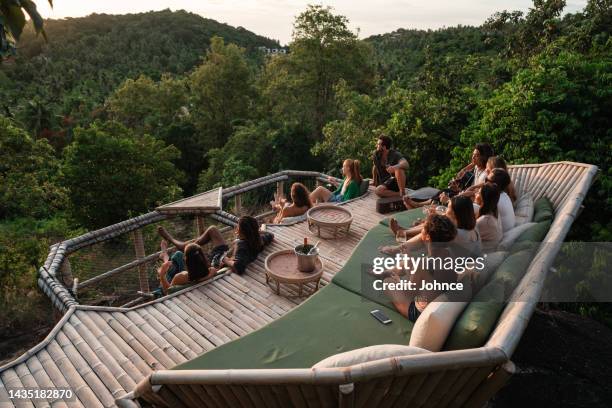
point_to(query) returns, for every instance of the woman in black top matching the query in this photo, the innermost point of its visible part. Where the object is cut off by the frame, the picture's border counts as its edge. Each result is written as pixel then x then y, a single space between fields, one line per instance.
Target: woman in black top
pixel 248 244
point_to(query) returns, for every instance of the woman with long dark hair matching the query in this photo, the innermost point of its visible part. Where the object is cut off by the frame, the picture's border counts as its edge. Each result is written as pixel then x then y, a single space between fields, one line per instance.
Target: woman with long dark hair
pixel 248 244
pixel 488 222
pixel 461 212
pixel 300 203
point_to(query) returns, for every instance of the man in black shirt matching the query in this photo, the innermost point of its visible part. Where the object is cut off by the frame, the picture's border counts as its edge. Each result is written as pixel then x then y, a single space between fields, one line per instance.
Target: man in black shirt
pixel 389 170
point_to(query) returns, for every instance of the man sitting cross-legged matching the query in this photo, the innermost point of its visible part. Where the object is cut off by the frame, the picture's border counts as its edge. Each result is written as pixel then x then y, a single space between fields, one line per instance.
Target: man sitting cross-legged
pixel 389 170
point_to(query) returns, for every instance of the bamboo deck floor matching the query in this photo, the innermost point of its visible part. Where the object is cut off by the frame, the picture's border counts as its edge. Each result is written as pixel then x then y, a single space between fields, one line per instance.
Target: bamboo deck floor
pixel 102 353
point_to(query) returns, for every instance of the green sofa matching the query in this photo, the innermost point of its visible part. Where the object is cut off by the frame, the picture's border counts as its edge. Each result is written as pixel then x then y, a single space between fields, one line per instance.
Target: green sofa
pixel 338 319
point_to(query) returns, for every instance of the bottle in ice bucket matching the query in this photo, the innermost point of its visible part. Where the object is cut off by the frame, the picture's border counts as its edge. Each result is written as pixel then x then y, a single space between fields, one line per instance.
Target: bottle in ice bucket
pixel 306 261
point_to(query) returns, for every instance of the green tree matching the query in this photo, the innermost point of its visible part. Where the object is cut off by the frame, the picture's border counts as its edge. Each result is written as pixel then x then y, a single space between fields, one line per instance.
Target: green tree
pixel 556 109
pixel 147 106
pixel 28 175
pixel 221 91
pixel 111 174
pixel 299 87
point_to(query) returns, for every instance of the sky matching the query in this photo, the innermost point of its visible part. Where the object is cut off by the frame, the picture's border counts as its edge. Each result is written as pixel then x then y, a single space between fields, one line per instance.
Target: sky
pixel 274 18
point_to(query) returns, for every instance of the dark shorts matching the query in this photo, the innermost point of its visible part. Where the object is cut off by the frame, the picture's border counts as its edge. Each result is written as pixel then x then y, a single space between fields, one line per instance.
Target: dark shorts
pixel 391 184
pixel 216 254
pixel 335 198
pixel 413 312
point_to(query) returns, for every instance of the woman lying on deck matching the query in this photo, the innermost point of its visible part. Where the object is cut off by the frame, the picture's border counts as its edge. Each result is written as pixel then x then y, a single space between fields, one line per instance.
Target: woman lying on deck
pixel 347 189
pixel 248 244
pixel 300 203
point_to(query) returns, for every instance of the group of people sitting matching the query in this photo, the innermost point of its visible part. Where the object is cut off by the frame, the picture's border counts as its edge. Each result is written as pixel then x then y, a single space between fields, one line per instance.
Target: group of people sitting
pixel 469 217
pixel 478 209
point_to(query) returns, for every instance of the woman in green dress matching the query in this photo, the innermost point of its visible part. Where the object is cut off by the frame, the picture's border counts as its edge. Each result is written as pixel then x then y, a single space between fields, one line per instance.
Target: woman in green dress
pixel 348 188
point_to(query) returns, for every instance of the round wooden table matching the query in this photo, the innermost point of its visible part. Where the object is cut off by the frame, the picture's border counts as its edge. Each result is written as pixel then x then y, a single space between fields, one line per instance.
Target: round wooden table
pixel 329 217
pixel 281 267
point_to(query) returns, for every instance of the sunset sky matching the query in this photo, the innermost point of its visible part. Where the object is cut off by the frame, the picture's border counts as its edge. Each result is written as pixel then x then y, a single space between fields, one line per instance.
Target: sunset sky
pixel 273 18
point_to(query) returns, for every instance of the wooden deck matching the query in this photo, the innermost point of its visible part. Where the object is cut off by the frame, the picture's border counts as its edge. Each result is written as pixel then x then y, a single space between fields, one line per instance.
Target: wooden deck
pixel 102 353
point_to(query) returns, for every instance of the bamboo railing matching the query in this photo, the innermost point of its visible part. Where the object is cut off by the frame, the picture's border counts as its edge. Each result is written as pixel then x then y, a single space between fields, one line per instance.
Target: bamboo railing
pixel 55 277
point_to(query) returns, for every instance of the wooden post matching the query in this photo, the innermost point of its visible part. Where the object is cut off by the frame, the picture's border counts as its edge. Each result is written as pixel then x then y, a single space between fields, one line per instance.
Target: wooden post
pixel 66 272
pixel 280 188
pixel 200 226
pixel 237 204
pixel 140 253
pixel 346 395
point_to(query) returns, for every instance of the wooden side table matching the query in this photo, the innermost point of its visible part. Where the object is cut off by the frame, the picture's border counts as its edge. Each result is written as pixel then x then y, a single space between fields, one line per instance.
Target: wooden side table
pixel 329 217
pixel 281 267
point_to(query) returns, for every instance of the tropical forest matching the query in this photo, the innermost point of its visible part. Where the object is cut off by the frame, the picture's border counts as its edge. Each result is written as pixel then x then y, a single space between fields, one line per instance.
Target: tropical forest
pixel 105 117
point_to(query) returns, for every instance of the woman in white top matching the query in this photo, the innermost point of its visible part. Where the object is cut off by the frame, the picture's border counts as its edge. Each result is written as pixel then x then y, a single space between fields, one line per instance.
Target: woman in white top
pixel 460 211
pixel 488 222
pixel 504 207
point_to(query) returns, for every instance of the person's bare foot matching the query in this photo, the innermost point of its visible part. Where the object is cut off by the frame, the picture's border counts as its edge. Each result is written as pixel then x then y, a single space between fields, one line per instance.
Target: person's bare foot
pixel 164 250
pixel 409 203
pixel 394 226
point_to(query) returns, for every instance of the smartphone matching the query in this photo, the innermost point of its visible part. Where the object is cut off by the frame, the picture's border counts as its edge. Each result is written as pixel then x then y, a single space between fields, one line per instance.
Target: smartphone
pixel 380 316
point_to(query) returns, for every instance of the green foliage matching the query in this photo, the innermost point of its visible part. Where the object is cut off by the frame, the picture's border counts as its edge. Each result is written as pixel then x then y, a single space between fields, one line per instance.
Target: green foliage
pixel 28 175
pixel 299 87
pixel 147 106
pixel 24 244
pixel 87 58
pixel 13 20
pixel 221 91
pixel 112 174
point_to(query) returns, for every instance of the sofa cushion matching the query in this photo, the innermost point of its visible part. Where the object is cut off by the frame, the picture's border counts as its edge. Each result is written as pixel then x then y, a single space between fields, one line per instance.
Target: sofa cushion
pixel 477 321
pixel 492 262
pixel 531 238
pixel 332 321
pixel 512 270
pixel 543 210
pixel 437 320
pixel 371 353
pixel 524 209
pixel 363 187
pixel 512 235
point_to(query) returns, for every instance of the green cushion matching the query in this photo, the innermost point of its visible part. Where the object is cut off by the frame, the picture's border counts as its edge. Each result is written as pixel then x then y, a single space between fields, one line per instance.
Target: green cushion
pixel 405 218
pixel 512 270
pixel 477 321
pixel 363 187
pixel 543 210
pixel 330 322
pixel 354 274
pixel 531 238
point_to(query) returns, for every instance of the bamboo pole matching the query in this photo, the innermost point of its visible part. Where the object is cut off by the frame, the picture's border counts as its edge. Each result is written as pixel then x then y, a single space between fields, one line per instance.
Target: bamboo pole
pixel 78 371
pixel 124 339
pixel 125 355
pixel 165 340
pixel 11 380
pixel 346 394
pixel 200 224
pixel 140 254
pixel 99 354
pixel 66 273
pixel 491 385
pixel 56 376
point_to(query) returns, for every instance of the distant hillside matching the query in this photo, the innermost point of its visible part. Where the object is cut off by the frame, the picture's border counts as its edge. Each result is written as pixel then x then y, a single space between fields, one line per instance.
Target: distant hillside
pixel 402 53
pixel 86 58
